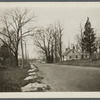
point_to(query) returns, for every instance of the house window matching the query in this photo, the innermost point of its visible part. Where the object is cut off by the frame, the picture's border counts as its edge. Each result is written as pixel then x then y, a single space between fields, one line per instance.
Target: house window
pixel 86 56
pixel 70 57
pixel 76 56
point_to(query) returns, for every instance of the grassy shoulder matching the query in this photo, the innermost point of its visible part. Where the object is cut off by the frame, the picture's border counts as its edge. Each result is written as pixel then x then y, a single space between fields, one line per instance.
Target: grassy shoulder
pixel 85 63
pixel 11 78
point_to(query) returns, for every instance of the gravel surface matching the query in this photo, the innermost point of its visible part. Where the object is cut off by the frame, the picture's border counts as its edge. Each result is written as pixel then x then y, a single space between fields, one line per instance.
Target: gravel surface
pixel 63 78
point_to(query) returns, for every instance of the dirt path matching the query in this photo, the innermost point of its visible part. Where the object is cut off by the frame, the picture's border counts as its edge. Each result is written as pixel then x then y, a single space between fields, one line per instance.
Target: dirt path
pixel 70 78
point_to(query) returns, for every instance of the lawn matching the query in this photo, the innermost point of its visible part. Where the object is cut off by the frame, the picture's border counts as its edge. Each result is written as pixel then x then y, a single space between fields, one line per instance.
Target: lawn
pixel 85 63
pixel 11 78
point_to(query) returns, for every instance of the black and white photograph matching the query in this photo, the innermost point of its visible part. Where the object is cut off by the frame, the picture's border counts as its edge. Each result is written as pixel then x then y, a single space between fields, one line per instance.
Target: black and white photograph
pixel 49 47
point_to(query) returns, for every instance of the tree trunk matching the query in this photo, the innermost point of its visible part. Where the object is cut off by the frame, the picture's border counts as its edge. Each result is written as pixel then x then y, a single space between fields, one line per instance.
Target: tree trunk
pixel 55 51
pixel 60 45
pixel 16 58
pixel 90 56
pixel 46 56
pixel 52 57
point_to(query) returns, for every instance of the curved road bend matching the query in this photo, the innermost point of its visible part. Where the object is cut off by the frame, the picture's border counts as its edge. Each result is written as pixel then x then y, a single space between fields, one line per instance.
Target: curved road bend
pixel 64 78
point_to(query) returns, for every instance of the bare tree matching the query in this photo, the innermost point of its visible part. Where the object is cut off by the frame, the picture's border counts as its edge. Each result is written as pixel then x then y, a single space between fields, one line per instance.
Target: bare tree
pixel 59 32
pixel 42 40
pixel 49 41
pixel 79 38
pixel 13 20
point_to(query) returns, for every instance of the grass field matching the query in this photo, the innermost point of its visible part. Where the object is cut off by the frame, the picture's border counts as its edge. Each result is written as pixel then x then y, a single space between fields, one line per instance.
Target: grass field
pixel 85 63
pixel 11 78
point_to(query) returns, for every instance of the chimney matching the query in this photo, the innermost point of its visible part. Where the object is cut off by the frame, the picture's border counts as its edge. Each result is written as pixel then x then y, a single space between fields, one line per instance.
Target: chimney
pixel 67 49
pixel 74 47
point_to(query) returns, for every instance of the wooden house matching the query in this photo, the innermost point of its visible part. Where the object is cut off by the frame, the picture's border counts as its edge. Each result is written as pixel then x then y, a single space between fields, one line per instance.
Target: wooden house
pixel 71 54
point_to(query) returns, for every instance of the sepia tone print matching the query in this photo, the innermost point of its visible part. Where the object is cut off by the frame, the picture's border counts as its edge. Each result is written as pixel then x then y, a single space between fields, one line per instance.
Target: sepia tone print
pixel 50 49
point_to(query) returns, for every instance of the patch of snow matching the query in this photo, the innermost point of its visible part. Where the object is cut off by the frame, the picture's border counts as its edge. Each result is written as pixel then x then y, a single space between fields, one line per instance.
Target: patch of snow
pixel 31 87
pixel 35 76
pixel 32 70
pixel 28 88
pixel 31 77
pixel 32 73
pixel 32 66
pixel 36 85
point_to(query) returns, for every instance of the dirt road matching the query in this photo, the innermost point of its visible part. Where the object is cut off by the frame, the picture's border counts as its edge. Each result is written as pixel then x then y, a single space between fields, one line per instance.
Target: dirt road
pixel 63 78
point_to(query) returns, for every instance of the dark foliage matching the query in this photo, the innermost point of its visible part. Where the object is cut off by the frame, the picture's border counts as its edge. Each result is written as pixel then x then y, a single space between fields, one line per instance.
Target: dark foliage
pixel 11 78
pixel 88 41
pixel 4 52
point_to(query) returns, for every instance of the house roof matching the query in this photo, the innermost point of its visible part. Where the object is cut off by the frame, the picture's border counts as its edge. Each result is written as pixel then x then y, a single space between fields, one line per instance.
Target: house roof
pixel 68 51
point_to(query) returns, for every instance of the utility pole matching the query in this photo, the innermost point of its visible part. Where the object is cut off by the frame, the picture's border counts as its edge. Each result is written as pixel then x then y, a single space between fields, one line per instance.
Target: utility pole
pixel 25 52
pixel 21 44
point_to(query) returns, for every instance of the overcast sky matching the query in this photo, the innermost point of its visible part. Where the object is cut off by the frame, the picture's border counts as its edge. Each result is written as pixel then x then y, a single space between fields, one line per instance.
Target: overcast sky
pixel 71 15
